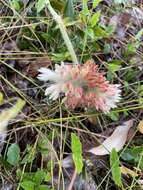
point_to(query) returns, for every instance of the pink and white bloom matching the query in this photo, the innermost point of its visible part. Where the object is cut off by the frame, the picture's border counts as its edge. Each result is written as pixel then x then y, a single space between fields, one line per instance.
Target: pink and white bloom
pixel 83 86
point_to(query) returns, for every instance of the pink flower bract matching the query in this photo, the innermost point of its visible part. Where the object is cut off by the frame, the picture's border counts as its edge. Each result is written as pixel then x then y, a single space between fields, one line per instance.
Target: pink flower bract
pixel 83 86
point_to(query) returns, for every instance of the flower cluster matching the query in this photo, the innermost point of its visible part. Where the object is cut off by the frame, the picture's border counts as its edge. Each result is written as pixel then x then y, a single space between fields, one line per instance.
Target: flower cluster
pixel 83 86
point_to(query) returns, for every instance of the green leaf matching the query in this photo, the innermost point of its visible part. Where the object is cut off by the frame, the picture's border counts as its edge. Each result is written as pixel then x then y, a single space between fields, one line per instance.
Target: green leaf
pixel 40 5
pixel 132 47
pixel 15 4
pixel 76 147
pixel 1 98
pixel 114 65
pixel 13 154
pixel 90 32
pixel 130 74
pixel 95 18
pixel 39 177
pixel 114 164
pixel 126 86
pixel 27 185
pixel 58 5
pixel 43 146
pixel 69 9
pixel 100 32
pixel 85 7
pixel 26 176
pixel 107 48
pixel 47 177
pixel 57 57
pixel 110 29
pixel 114 116
pixel 96 2
pixel 30 155
pixel 134 155
pixel 44 187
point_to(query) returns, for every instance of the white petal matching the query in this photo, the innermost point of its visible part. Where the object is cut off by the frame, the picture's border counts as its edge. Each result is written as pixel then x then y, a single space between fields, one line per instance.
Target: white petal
pixel 54 95
pixel 47 74
pixel 53 91
pixel 50 89
pixel 116 140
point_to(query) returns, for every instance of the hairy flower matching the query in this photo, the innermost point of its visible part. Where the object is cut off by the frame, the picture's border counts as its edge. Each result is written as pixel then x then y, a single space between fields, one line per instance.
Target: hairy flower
pixel 83 86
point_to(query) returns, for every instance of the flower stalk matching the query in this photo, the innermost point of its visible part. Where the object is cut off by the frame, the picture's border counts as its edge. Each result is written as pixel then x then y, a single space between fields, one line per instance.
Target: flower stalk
pixel 64 33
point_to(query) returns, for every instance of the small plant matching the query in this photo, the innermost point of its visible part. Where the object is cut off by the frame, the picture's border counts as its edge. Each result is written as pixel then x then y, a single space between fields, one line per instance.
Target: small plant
pixel 34 180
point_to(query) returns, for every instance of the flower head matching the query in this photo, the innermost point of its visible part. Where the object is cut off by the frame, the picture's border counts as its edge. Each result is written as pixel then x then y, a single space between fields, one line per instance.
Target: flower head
pixel 83 86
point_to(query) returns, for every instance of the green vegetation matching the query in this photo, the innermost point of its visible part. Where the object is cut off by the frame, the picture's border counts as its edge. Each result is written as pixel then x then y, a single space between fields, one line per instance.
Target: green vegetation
pixel 44 145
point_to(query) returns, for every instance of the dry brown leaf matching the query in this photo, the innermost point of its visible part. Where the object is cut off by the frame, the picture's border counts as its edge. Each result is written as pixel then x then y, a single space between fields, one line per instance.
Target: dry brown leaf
pixel 140 126
pixel 116 140
pixel 127 171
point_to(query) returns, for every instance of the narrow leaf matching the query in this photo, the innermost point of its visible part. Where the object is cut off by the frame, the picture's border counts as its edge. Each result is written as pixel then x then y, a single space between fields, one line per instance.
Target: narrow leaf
pixel 1 98
pixel 96 2
pixel 76 152
pixel 69 9
pixel 114 164
pixel 95 18
pixel 85 7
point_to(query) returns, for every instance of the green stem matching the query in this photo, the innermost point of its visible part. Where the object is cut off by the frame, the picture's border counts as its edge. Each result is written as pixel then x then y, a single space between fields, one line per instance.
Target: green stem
pixel 62 27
